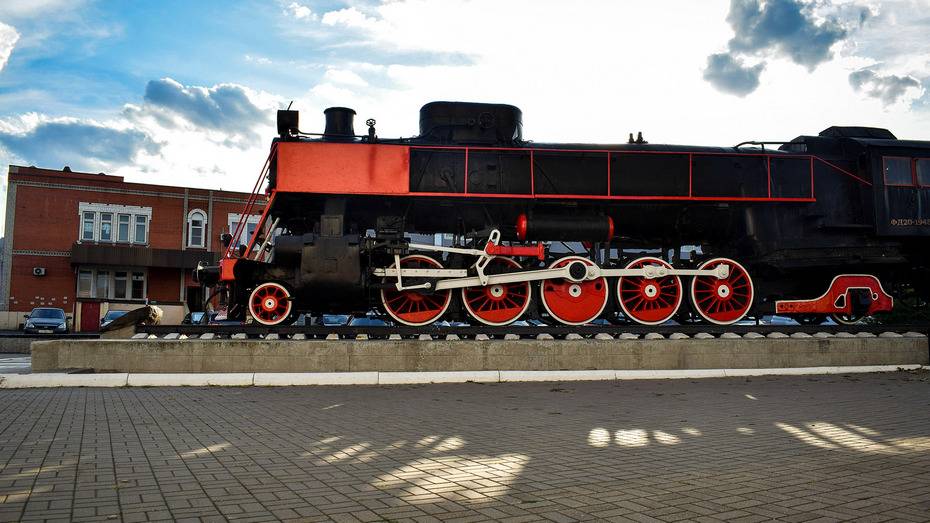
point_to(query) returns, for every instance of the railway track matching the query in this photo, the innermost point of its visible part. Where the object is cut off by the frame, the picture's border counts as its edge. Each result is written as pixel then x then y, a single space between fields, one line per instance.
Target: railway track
pixel 605 332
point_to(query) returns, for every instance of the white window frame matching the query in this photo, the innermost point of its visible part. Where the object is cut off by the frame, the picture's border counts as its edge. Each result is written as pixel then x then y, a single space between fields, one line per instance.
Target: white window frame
pixel 135 229
pixel 93 226
pixel 90 291
pixel 113 295
pixel 115 211
pixel 203 229
pixel 119 228
pixel 234 218
pixel 99 235
pixel 111 283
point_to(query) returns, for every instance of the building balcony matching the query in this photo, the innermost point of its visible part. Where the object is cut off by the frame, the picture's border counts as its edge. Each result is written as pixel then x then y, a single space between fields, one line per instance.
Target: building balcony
pixel 136 256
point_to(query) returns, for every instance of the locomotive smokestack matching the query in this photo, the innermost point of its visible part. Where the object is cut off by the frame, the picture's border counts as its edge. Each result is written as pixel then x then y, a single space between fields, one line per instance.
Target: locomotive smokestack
pixel 339 124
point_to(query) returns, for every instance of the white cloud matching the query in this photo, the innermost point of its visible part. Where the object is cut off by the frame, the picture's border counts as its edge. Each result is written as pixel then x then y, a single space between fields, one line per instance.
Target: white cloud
pixel 888 88
pixel 344 77
pixel 261 60
pixel 33 8
pixel 352 18
pixel 300 11
pixel 8 38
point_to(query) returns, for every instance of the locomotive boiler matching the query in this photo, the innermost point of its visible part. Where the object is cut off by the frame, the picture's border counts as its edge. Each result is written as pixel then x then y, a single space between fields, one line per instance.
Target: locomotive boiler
pixel 468 221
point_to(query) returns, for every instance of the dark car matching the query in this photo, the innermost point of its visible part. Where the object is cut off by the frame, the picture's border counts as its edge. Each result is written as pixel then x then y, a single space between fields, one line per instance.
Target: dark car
pixel 196 318
pixel 110 316
pixel 46 320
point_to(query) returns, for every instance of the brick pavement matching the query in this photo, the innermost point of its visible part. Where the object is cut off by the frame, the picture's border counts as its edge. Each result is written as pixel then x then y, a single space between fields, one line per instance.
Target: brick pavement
pixel 786 448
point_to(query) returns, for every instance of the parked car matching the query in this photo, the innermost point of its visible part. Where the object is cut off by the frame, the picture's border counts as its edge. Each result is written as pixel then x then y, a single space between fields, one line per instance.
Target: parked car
pixel 110 316
pixel 46 320
pixel 220 318
pixel 368 321
pixel 195 318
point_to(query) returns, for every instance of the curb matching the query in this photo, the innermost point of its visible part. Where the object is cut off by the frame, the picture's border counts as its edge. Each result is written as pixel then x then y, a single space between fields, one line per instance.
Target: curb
pixel 284 379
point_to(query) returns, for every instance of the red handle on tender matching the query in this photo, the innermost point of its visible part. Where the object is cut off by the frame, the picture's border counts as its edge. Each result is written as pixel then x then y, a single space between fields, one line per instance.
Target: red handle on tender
pixel 537 251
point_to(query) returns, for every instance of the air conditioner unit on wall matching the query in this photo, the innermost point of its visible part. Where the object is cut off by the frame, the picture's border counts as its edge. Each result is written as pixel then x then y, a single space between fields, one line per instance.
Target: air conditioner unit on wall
pixel 38 271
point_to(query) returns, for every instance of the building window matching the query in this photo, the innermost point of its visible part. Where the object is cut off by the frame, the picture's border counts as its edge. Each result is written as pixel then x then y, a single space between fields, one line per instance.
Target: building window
pixel 119 285
pixel 99 220
pixel 898 171
pixel 106 226
pixel 87 228
pixel 106 284
pixel 196 228
pixel 103 284
pixel 122 229
pixel 85 283
pixel 247 232
pixel 141 229
pixel 138 286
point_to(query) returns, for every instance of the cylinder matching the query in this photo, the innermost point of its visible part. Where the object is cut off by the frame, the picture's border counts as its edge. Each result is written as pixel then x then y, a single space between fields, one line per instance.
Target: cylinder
pixel 340 124
pixel 565 228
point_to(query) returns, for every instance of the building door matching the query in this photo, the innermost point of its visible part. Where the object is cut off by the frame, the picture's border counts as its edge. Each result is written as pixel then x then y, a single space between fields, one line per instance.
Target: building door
pixel 90 316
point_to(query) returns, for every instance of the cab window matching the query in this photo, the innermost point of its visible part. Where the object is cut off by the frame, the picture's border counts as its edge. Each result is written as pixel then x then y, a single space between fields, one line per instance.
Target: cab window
pixel 898 171
pixel 923 172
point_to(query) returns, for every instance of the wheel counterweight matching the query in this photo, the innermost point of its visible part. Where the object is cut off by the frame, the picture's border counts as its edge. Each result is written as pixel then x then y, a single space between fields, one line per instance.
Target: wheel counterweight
pixel 415 307
pixel 574 302
pixel 649 301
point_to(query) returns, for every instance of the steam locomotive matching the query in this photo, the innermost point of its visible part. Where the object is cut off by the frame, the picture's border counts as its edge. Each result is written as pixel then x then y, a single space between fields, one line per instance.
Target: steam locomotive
pixel 468 221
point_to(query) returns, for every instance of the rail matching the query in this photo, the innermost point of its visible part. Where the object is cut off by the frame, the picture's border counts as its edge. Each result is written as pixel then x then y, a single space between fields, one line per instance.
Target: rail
pixel 525 332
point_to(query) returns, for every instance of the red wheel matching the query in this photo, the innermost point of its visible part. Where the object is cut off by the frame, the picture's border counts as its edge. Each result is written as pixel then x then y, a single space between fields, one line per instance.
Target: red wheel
pixel 722 301
pixel 270 303
pixel 415 307
pixel 498 304
pixel 649 301
pixel 571 302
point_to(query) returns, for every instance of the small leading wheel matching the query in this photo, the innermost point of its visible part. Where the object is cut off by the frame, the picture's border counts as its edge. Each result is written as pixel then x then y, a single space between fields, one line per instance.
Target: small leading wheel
pixel 846 319
pixel 270 303
pixel 574 302
pixel 722 300
pixel 498 304
pixel 649 301
pixel 415 306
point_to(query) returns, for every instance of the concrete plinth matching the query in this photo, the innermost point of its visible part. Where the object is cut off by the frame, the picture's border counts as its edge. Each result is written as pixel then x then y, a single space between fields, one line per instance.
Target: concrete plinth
pixel 199 355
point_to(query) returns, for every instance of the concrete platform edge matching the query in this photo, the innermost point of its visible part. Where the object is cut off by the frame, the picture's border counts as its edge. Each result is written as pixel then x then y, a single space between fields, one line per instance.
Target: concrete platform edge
pixel 272 379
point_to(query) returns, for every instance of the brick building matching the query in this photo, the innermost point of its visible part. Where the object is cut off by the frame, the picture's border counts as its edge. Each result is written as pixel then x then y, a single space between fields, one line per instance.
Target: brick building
pixel 90 243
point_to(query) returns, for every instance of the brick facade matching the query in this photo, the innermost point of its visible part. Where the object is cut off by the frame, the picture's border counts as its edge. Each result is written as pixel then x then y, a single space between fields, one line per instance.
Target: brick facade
pixel 44 223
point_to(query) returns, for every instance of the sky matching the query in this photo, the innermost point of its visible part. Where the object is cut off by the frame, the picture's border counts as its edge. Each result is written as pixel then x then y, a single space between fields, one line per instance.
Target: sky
pixel 184 93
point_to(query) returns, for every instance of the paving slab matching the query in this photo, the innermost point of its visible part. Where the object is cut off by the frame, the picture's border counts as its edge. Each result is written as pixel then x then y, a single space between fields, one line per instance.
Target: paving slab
pixel 793 448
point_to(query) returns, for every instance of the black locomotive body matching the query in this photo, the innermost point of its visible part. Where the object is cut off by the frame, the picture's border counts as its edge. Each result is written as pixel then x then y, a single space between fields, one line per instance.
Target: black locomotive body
pixel 468 221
